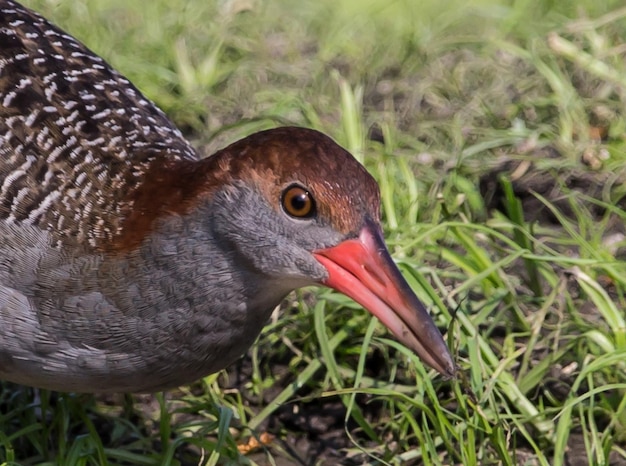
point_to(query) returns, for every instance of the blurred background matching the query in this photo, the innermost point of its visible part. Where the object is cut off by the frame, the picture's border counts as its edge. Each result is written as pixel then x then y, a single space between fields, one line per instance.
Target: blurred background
pixel 496 131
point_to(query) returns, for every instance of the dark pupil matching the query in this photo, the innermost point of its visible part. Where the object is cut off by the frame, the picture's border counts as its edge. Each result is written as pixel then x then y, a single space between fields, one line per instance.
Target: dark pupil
pixel 299 202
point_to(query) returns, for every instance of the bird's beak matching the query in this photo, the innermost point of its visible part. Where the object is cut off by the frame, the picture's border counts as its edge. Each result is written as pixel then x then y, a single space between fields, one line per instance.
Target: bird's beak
pixel 362 269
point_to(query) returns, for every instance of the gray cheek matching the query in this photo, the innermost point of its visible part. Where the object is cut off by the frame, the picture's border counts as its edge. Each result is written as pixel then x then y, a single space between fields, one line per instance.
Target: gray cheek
pixel 268 239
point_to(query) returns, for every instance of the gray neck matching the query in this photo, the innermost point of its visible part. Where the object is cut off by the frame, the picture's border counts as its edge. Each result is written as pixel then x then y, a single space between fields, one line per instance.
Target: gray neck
pixel 193 288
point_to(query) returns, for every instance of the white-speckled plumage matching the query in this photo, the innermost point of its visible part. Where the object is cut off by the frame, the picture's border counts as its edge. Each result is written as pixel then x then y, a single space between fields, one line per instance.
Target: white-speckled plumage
pixel 80 134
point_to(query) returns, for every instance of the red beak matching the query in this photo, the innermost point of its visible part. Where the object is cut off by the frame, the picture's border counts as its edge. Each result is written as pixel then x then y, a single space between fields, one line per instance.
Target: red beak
pixel 362 269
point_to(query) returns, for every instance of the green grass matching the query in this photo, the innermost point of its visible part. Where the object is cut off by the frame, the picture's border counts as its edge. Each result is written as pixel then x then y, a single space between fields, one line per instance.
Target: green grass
pixel 455 108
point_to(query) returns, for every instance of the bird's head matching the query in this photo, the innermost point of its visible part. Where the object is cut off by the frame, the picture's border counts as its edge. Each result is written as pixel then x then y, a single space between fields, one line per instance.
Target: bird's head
pixel 302 210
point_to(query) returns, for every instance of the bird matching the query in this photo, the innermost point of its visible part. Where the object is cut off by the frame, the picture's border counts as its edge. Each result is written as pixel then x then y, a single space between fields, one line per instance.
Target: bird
pixel 128 263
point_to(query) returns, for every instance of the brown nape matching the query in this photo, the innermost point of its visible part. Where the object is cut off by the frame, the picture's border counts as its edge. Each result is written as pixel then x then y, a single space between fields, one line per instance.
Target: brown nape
pixel 270 160
pixel 167 187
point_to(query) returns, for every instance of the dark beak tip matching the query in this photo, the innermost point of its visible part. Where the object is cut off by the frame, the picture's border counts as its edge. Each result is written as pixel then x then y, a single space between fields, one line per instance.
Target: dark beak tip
pixel 451 372
pixel 446 366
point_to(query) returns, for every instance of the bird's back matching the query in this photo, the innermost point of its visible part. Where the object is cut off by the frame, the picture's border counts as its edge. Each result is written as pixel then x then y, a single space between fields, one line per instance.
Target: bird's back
pixel 75 135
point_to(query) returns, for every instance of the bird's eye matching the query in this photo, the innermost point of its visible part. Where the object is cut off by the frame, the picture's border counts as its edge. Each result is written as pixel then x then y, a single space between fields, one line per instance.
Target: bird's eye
pixel 298 202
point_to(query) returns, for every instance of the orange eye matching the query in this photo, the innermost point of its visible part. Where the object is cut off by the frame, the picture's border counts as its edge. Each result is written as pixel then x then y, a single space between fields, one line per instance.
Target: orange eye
pixel 298 202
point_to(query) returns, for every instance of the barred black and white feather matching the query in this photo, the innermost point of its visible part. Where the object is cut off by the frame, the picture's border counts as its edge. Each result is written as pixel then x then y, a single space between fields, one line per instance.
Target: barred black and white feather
pixel 76 137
